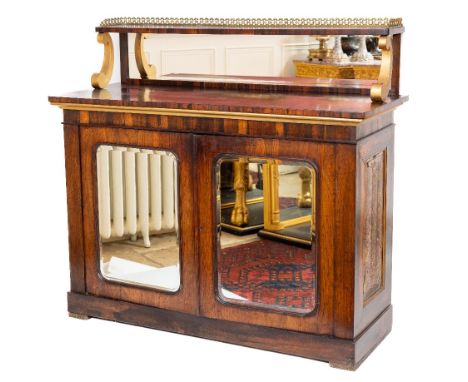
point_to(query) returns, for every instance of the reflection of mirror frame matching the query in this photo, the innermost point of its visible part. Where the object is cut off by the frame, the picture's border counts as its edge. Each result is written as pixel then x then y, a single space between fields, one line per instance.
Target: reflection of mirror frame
pixel 272 218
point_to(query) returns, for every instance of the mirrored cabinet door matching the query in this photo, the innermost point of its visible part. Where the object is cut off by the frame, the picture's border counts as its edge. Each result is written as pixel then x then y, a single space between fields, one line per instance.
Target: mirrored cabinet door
pixel 138 217
pixel 261 244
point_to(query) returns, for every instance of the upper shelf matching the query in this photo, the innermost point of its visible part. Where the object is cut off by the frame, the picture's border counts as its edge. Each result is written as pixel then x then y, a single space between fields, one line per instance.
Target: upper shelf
pixel 260 26
pixel 387 30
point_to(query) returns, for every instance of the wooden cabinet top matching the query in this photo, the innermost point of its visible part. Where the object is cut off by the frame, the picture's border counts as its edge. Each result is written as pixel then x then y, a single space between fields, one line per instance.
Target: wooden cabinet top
pixel 199 102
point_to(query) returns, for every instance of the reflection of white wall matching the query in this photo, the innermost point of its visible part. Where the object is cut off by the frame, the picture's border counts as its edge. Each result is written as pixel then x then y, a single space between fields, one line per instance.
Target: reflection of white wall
pixel 290 52
pixel 222 54
pixel 201 61
pixel 253 61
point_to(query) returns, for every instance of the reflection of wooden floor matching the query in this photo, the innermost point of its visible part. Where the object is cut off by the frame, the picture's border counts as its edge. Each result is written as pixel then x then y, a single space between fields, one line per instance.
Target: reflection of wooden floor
pixel 230 240
pixel 164 251
pixel 158 266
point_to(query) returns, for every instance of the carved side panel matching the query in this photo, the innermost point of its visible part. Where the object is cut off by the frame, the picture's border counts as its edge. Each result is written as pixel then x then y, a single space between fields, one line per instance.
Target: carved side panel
pixel 373 224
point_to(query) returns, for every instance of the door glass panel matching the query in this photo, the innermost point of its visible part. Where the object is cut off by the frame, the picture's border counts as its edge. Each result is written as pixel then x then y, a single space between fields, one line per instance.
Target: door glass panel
pixel 266 233
pixel 138 216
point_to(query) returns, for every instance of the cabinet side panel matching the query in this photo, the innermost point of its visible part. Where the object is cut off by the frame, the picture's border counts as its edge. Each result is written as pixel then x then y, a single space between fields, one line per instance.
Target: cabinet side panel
pixel 75 217
pixel 374 218
pixel 372 241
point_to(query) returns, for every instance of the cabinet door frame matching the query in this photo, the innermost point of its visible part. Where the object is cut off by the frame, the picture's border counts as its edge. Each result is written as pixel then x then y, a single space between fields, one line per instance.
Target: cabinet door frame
pixel 209 149
pixel 185 299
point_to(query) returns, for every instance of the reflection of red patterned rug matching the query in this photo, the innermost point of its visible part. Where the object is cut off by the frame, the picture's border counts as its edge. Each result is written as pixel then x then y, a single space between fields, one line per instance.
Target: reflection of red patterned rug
pixel 270 272
pixel 285 202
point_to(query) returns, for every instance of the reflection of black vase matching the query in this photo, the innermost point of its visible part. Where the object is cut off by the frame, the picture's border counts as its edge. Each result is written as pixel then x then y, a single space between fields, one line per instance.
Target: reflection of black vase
pixel 260 177
pixel 372 44
pixel 350 44
pixel 227 175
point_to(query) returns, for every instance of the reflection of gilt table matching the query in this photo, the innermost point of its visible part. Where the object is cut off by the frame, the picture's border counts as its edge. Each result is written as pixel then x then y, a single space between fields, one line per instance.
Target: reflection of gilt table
pixel 295 224
pixel 348 71
pixel 241 203
pixel 245 209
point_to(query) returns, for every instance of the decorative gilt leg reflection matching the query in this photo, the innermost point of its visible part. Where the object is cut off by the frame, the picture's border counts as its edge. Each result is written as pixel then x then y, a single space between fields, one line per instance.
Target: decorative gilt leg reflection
pixel 101 80
pixel 271 207
pixel 379 91
pixel 305 197
pixel 146 70
pixel 240 213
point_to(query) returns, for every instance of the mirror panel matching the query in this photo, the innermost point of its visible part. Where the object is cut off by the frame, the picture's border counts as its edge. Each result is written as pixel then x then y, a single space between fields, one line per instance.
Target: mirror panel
pixel 138 216
pixel 258 58
pixel 266 233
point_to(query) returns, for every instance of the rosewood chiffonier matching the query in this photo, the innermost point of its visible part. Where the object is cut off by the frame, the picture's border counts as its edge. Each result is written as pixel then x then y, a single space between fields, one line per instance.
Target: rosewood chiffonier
pixel 240 203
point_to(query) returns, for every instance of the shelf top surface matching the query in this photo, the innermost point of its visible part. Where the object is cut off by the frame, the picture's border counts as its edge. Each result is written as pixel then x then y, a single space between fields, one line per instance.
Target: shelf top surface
pixel 227 101
pixel 288 26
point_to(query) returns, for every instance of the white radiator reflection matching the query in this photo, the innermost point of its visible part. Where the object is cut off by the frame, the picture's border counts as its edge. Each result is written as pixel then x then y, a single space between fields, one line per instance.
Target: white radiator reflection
pixel 137 193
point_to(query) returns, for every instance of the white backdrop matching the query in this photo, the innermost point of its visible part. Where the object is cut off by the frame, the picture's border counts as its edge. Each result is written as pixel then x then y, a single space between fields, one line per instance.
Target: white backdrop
pixel 49 48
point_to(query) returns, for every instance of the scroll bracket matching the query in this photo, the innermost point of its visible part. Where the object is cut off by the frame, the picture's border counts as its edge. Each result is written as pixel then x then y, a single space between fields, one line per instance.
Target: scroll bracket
pixel 379 91
pixel 101 80
pixel 146 70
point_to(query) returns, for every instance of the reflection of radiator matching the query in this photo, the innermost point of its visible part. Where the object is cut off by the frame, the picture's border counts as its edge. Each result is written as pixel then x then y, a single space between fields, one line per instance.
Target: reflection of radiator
pixel 137 191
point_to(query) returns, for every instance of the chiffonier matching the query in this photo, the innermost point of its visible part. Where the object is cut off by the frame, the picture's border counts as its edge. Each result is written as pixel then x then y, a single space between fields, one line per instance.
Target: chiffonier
pixel 250 207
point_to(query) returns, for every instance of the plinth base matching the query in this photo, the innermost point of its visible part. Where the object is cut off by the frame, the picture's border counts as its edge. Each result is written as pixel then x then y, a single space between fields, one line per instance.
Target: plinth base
pixel 340 353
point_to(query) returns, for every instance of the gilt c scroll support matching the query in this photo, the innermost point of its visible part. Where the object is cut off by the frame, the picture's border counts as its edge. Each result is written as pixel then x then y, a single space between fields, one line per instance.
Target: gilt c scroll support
pixel 101 80
pixel 379 91
pixel 146 70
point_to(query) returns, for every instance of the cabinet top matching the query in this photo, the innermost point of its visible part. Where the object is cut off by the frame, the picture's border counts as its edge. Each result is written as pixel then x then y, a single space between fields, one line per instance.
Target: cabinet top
pixel 280 26
pixel 213 103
